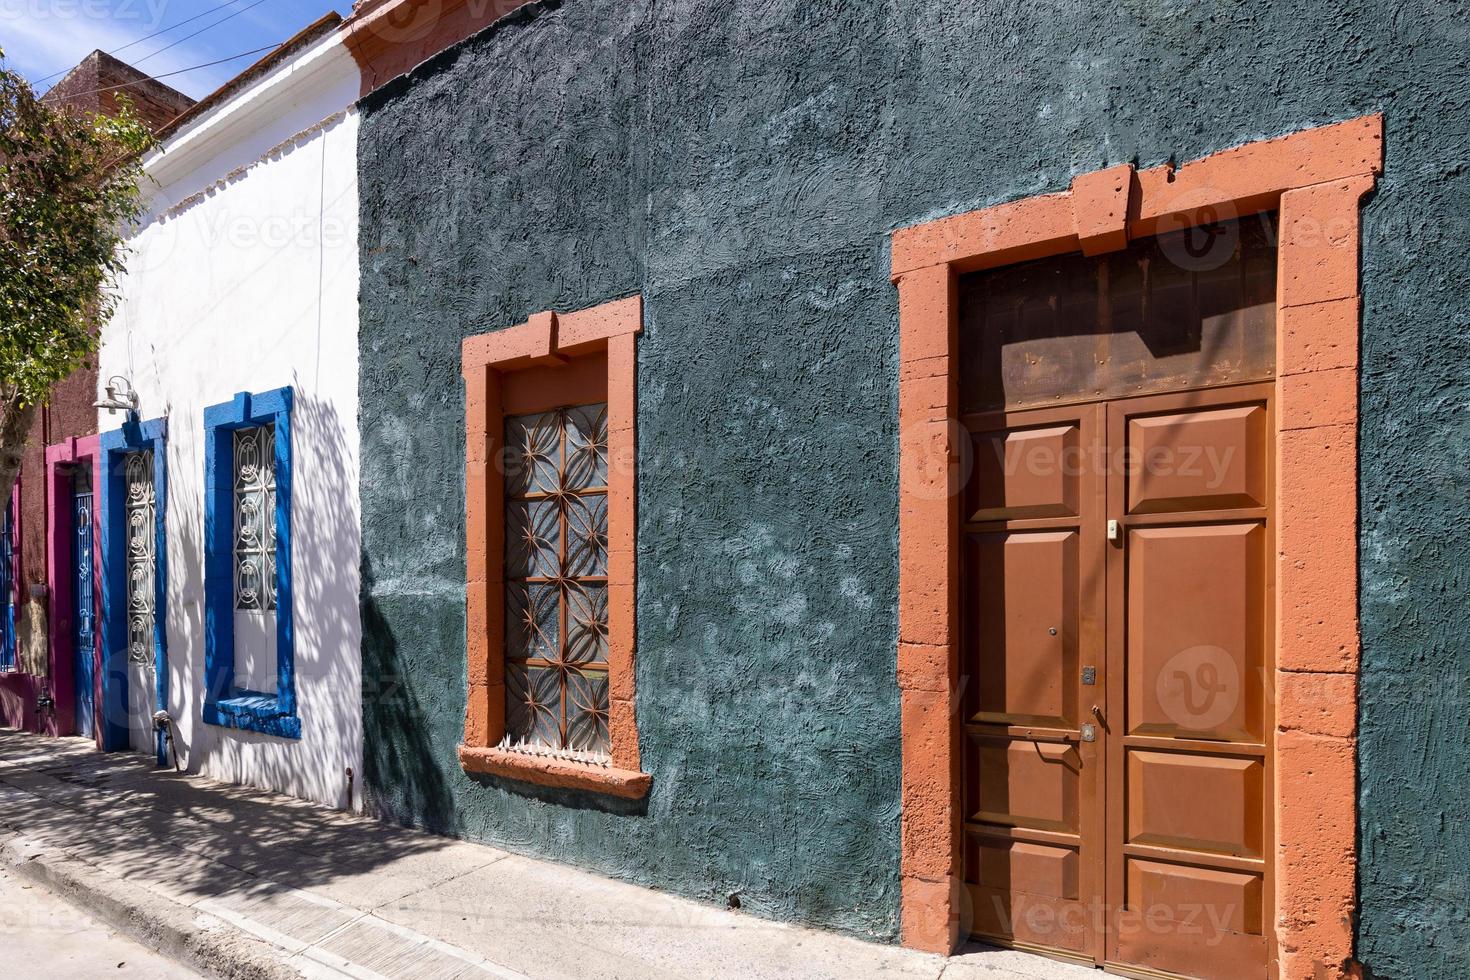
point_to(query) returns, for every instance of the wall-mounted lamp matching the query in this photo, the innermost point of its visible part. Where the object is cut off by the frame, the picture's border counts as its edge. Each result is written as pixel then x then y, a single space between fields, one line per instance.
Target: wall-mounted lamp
pixel 120 396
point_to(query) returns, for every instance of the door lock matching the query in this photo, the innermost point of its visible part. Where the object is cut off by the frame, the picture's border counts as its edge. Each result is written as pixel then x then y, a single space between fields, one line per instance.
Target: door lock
pixel 1089 733
pixel 1113 530
pixel 1089 675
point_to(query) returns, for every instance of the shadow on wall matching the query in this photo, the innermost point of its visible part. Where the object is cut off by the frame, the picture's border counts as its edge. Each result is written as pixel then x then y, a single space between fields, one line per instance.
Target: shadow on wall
pixel 396 748
pixel 325 545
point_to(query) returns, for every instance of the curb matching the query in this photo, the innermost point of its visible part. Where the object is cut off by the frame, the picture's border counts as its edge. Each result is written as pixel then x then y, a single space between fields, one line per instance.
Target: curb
pixel 197 940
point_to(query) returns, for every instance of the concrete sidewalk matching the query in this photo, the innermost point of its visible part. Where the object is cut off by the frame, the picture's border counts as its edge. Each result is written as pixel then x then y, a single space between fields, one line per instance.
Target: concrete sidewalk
pixel 240 883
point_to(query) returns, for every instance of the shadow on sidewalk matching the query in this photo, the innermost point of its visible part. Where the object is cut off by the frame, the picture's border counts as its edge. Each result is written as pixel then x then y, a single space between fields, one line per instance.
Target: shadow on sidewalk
pixel 119 812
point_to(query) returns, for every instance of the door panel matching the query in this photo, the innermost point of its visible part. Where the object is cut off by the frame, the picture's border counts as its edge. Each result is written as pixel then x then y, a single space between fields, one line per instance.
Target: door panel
pixel 1038 869
pixel 1032 621
pixel 1189 778
pixel 1197 460
pixel 1235 894
pixel 1026 473
pixel 1194 801
pixel 1021 783
pixel 1026 591
pixel 1196 616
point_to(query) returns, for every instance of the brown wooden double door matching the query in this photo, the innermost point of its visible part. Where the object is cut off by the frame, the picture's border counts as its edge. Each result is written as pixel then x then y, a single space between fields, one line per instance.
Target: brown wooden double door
pixel 1116 726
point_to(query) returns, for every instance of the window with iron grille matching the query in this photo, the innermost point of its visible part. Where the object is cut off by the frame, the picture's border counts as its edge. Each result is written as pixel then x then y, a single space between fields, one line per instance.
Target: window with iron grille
pixel 247 565
pixel 556 579
pixel 255 518
pixel 550 550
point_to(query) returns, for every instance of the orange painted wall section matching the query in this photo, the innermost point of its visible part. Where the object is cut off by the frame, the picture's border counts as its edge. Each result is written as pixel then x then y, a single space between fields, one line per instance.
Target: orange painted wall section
pixel 389 38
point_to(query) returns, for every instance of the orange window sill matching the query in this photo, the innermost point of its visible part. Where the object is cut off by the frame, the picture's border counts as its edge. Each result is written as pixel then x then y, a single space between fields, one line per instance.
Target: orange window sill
pixel 626 783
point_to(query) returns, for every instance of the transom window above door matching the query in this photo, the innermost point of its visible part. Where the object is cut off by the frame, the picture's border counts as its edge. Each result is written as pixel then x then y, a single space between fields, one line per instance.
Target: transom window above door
pixel 1193 308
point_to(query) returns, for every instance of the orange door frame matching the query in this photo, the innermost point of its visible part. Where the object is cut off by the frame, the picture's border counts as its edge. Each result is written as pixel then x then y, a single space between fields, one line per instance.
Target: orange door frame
pixel 1317 179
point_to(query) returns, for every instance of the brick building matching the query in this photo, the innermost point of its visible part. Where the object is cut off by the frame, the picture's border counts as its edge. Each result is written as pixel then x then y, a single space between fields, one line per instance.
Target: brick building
pixel 100 83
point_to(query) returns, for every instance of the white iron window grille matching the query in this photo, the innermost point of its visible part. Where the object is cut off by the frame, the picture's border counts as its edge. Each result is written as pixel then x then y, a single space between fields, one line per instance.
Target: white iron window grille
pixel 141 561
pixel 255 518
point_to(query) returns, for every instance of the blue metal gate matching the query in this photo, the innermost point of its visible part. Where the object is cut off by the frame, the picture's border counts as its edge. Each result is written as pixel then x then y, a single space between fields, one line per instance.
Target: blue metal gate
pixel 83 613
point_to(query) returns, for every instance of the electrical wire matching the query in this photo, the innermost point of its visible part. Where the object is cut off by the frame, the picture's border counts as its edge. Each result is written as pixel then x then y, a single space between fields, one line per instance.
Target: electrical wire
pixel 186 20
pixel 181 71
pixel 147 37
pixel 207 27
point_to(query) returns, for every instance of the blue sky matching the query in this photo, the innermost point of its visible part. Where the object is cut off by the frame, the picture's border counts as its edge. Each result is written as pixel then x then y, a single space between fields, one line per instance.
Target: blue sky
pixel 42 37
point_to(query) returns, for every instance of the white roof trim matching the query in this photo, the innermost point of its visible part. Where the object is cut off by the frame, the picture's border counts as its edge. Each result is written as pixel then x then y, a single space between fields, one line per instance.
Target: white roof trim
pixel 320 65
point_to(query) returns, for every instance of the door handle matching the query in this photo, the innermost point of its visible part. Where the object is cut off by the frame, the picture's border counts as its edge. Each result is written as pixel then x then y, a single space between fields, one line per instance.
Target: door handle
pixel 1098 714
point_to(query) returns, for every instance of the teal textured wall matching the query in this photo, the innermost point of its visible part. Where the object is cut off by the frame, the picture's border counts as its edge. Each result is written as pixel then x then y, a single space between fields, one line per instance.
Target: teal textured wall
pixel 741 164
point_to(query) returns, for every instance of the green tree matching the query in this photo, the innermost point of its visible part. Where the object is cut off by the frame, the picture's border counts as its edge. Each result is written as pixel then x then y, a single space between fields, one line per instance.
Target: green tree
pixel 69 194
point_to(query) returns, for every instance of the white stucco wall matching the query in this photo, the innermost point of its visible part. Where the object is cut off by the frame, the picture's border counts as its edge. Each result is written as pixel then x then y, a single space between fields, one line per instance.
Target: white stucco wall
pixel 245 278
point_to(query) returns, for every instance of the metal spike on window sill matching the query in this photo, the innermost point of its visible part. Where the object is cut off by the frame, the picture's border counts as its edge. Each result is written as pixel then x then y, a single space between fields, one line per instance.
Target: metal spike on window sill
pixel 525 747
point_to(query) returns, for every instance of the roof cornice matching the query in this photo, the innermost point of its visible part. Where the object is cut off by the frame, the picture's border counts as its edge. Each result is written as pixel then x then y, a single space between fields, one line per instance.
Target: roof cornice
pixel 312 61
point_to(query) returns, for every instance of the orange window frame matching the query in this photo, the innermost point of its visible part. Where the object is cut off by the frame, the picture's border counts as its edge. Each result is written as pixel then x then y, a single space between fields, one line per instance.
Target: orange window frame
pixel 1317 179
pixel 550 360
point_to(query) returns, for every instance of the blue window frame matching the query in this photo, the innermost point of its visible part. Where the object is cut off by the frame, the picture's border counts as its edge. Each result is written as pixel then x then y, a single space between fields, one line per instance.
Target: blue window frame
pixel 7 587
pixel 236 571
pixel 133 622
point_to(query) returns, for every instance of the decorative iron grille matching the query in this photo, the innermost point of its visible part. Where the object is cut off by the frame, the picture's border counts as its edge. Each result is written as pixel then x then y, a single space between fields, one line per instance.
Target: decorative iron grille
pixel 556 579
pixel 83 600
pixel 255 518
pixel 139 509
pixel 82 558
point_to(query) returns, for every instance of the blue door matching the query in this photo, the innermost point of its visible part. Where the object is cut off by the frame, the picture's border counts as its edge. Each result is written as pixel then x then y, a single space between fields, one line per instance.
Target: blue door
pixel 83 640
pixel 7 590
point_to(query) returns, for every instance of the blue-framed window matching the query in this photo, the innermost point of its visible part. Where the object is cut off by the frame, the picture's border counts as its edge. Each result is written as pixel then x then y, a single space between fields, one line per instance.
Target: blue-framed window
pixel 132 515
pixel 247 559
pixel 7 586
